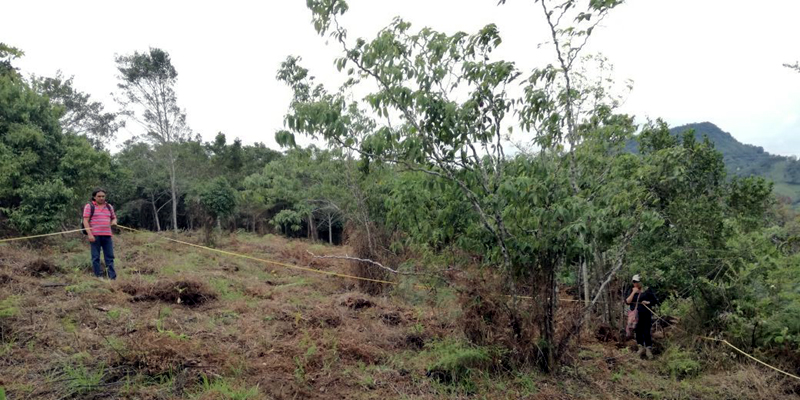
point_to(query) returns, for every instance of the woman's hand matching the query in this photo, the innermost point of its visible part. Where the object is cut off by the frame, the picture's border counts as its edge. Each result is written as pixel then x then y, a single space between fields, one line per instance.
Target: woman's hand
pixel 645 302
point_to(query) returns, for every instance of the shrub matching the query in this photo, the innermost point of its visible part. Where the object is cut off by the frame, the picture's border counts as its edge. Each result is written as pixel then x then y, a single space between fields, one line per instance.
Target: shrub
pixel 679 364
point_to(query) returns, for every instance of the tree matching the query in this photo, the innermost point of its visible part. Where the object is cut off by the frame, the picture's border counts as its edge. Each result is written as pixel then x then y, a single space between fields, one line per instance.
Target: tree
pixel 8 54
pixel 443 105
pixel 81 116
pixel 43 173
pixel 307 181
pixel 147 81
pixel 142 182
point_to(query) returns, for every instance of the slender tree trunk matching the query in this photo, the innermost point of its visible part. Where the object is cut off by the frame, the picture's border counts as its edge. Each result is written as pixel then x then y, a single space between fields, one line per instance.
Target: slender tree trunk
pixel 155 213
pixel 548 330
pixel 173 190
pixel 585 278
pixel 330 230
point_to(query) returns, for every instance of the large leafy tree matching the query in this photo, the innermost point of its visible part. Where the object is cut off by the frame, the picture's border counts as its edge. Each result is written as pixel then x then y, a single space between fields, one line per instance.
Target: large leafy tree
pixel 43 173
pixel 80 114
pixel 306 183
pixel 147 92
pixel 439 106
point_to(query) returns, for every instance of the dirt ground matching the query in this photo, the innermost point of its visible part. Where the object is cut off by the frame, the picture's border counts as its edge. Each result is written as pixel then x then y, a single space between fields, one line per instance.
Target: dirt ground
pixel 182 322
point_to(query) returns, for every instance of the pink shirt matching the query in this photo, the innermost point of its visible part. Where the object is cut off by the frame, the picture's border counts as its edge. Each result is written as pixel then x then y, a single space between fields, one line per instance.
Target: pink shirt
pixel 101 220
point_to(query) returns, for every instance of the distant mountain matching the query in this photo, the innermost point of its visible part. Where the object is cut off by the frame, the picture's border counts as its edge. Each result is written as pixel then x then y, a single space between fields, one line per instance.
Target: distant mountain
pixel 747 160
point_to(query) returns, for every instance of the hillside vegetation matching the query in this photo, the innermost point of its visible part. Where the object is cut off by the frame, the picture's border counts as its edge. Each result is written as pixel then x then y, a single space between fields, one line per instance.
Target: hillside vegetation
pixel 747 160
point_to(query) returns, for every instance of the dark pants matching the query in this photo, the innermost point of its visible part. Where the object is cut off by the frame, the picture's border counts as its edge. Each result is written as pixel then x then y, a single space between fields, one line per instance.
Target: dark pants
pixel 643 337
pixel 107 245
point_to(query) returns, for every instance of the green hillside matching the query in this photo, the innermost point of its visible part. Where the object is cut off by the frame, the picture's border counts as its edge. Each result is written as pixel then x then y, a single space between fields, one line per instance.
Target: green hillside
pixel 748 160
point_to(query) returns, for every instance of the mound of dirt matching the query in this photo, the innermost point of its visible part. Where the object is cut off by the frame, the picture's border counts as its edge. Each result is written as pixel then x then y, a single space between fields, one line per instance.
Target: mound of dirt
pixel 40 267
pixel 357 303
pixel 391 318
pixel 157 355
pixel 186 292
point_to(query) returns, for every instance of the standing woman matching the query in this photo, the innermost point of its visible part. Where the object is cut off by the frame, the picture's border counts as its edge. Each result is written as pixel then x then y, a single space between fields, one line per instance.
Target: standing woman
pixel 638 299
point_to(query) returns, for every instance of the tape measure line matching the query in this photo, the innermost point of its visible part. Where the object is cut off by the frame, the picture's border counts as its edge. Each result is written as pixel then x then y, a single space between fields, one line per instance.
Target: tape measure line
pixel 346 276
pixel 297 267
pixel 38 236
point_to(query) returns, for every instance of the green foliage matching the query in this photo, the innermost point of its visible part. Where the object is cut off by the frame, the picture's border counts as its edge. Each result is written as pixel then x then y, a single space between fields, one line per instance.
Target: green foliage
pixel 744 160
pixel 43 173
pixel 9 307
pixel 81 379
pixel 79 115
pixel 218 198
pixel 287 220
pixel 457 361
pixel 679 364
pixel 222 388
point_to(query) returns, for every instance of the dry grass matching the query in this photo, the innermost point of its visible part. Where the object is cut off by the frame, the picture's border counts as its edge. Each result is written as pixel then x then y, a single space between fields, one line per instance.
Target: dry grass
pixel 182 323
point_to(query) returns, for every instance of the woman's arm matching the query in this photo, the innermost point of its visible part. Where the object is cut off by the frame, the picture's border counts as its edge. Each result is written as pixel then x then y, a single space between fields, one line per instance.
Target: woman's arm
pixel 630 298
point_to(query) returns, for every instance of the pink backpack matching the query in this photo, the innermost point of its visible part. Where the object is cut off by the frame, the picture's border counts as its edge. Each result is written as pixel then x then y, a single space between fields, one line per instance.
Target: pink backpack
pixel 633 319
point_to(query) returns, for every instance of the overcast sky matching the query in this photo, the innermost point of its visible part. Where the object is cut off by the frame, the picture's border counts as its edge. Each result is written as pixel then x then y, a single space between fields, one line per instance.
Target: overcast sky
pixel 690 60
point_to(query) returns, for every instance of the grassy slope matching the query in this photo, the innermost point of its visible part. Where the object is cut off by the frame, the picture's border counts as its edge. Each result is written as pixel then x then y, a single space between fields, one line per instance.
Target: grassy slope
pixel 276 333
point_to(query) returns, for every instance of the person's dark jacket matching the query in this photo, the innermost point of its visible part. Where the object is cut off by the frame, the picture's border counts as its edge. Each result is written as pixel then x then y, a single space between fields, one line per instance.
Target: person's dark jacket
pixel 648 295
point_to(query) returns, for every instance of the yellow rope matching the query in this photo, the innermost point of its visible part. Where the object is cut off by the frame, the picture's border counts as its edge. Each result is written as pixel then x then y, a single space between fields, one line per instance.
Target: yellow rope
pixel 36 236
pixel 730 345
pixel 371 280
pixel 267 261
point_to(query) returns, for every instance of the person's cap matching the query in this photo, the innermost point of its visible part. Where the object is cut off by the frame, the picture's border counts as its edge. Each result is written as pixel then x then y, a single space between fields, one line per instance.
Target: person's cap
pixel 636 278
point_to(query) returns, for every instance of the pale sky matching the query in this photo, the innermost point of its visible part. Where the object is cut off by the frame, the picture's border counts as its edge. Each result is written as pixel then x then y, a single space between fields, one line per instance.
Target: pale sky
pixel 690 60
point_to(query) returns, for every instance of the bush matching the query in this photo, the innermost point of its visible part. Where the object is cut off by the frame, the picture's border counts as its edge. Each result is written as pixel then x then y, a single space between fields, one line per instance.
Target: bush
pixel 453 362
pixel 679 364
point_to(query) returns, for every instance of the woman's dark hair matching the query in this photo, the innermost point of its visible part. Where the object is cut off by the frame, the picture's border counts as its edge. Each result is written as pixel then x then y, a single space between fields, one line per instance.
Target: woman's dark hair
pixel 96 191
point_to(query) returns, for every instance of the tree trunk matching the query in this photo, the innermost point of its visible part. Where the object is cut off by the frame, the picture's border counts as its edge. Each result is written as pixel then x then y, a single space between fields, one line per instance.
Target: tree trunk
pixel 155 214
pixel 585 278
pixel 173 190
pixel 330 230
pixel 548 328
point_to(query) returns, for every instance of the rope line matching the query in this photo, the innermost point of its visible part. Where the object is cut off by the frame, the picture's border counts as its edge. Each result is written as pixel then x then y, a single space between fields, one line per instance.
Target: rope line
pixel 727 343
pixel 37 236
pixel 340 275
pixel 297 267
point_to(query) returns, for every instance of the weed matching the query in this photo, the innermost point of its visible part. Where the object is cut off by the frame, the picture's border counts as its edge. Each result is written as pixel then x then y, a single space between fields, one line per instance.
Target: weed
pixel 6 348
pixel 69 324
pixel 226 289
pixel 90 285
pixel 301 362
pixel 225 389
pixel 77 263
pixel 82 380
pixel 527 383
pixel 9 307
pixel 454 362
pixel 679 364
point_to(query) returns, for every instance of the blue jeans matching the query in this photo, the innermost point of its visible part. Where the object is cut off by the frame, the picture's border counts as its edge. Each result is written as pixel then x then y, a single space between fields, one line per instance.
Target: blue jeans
pixel 107 245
